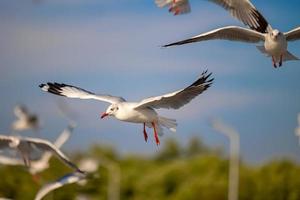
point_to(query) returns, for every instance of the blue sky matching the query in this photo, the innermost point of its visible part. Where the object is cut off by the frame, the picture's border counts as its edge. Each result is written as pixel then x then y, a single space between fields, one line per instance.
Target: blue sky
pixel 114 47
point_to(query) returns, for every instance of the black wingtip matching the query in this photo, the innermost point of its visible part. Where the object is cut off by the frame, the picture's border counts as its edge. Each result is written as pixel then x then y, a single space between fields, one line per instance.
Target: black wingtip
pixel 203 80
pixel 42 85
pixel 262 22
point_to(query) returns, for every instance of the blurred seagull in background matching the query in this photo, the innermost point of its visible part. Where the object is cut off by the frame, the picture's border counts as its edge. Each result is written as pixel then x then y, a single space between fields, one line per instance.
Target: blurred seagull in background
pixel 25 146
pixel 25 120
pixel 65 180
pixel 177 7
pixel 275 42
pixel 37 166
pixel 138 112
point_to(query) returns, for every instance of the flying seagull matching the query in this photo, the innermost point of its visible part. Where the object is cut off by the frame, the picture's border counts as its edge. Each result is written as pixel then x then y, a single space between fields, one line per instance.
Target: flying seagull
pixel 243 10
pixel 65 180
pixel 26 145
pixel 37 166
pixel 177 7
pixel 275 42
pixel 138 112
pixel 25 119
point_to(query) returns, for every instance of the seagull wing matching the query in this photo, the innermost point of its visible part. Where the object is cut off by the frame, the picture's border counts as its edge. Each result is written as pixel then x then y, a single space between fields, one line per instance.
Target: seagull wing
pixel 48 146
pixel 76 92
pixel 62 138
pixel 21 112
pixel 177 7
pixel 5 141
pixel 179 98
pixel 67 179
pixel 245 11
pixel 232 33
pixel 5 160
pixel 293 34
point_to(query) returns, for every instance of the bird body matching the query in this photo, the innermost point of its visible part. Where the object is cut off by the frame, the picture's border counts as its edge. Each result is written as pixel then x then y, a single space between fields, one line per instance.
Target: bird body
pixel 128 113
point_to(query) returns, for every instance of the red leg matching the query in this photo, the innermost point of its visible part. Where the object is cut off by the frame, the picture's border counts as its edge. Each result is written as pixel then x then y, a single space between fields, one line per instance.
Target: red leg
pixel 155 134
pixel 36 178
pixel 274 62
pixel 145 133
pixel 280 62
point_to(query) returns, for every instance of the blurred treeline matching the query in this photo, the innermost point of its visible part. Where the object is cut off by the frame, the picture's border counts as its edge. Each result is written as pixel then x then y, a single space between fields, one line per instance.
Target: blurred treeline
pixel 191 172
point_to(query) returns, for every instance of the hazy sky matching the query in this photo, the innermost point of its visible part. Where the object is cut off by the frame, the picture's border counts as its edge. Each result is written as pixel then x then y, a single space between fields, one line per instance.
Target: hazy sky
pixel 114 47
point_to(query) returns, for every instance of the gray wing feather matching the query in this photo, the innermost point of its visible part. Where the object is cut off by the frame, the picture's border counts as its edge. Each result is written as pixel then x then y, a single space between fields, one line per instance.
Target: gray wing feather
pixel 179 98
pixel 47 146
pixel 232 33
pixel 293 34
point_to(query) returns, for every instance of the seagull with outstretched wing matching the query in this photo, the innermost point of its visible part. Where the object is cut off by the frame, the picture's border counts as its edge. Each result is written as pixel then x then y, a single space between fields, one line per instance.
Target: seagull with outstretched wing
pixel 26 145
pixel 138 112
pixel 37 166
pixel 65 180
pixel 275 42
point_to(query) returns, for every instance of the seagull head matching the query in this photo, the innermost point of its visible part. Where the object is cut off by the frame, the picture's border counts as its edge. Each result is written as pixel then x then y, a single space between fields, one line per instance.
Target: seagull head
pixel 275 34
pixel 111 110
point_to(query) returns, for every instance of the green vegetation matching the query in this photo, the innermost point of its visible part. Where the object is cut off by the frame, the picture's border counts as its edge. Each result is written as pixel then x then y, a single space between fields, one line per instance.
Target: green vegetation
pixel 175 173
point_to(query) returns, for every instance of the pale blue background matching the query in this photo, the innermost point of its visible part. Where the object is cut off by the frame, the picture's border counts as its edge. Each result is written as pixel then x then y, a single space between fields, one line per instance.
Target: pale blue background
pixel 114 47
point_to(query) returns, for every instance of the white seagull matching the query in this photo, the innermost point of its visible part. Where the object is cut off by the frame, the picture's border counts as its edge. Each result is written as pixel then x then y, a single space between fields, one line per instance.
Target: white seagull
pixel 275 42
pixel 138 112
pixel 37 166
pixel 177 7
pixel 25 119
pixel 242 10
pixel 25 146
pixel 65 180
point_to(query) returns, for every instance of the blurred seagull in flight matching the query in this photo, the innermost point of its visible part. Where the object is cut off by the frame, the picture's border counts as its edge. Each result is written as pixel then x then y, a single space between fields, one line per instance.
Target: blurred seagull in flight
pixel 37 166
pixel 177 7
pixel 138 112
pixel 242 10
pixel 65 180
pixel 25 146
pixel 26 120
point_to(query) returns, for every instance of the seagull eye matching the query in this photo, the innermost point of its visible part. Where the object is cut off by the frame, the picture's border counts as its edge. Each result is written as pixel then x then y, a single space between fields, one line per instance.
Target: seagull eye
pixel 117 108
pixel 111 109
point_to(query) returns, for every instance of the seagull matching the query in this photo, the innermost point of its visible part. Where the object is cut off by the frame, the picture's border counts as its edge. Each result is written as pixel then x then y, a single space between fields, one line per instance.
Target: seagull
pixel 65 180
pixel 138 112
pixel 243 10
pixel 177 7
pixel 25 119
pixel 26 145
pixel 275 42
pixel 37 166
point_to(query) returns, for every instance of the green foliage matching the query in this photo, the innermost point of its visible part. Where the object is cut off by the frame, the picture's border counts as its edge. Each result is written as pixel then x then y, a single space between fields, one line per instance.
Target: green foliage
pixel 175 173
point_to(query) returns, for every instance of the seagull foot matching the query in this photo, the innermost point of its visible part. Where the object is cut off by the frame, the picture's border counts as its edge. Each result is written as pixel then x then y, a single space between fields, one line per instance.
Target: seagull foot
pixel 280 62
pixel 155 134
pixel 274 62
pixel 145 133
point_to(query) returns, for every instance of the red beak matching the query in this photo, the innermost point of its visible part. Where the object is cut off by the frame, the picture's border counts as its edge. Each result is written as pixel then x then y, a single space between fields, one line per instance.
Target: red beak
pixel 104 115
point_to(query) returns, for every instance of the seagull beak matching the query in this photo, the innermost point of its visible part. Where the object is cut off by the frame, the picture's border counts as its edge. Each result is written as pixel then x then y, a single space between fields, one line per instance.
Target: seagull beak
pixel 104 115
